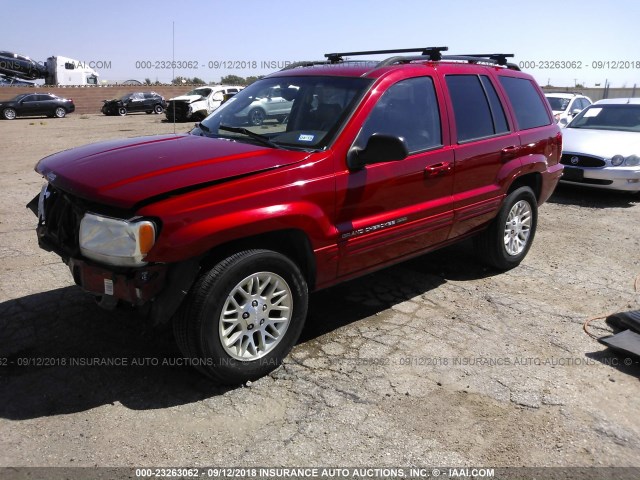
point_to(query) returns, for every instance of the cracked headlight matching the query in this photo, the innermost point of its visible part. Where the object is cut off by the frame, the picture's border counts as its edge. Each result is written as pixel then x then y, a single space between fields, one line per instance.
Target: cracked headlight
pixel 115 241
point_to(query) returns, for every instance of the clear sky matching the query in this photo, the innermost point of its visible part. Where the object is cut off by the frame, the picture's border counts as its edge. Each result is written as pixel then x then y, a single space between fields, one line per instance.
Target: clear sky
pixel 127 36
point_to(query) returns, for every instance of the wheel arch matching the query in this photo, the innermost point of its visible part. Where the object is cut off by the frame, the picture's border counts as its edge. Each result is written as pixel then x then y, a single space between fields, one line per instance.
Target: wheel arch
pixel 532 180
pixel 292 243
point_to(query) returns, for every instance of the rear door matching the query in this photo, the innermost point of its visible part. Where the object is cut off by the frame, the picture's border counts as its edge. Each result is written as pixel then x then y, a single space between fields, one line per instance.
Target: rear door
pixel 389 210
pixel 46 104
pixel 484 142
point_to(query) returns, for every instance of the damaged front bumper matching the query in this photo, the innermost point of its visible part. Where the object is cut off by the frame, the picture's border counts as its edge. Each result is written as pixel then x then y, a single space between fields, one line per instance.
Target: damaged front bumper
pixel 134 286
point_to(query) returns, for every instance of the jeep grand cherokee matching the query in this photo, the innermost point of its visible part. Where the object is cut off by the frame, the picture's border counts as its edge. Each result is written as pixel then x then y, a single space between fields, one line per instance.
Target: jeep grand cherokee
pixel 226 230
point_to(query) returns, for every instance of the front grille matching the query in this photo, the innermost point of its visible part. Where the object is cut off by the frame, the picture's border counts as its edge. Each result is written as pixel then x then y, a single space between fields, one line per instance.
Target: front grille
pixel 181 109
pixel 59 229
pixel 582 161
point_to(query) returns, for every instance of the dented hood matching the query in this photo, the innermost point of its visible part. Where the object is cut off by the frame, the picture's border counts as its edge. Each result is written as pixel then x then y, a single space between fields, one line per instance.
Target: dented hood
pixel 122 173
pixel 188 98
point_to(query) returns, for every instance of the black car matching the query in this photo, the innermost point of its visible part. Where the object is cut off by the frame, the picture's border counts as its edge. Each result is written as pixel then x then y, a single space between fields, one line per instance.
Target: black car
pixel 36 104
pixel 148 102
pixel 18 66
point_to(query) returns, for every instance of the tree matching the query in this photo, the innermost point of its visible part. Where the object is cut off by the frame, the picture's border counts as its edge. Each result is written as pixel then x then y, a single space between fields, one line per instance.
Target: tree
pixel 147 81
pixel 232 80
pixel 197 81
pixel 251 79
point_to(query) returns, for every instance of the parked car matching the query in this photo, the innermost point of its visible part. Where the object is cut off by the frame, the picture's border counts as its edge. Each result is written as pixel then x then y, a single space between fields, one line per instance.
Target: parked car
pixel 20 67
pixel 268 104
pixel 148 102
pixel 226 230
pixel 199 102
pixel 36 105
pixel 566 105
pixel 602 146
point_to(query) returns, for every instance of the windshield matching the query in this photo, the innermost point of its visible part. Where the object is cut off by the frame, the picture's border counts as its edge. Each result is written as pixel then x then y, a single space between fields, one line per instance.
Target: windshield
pixel 304 112
pixel 558 104
pixel 625 118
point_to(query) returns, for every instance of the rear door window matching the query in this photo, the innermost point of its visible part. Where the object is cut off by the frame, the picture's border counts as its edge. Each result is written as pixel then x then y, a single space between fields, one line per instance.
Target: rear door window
pixel 526 102
pixel 476 107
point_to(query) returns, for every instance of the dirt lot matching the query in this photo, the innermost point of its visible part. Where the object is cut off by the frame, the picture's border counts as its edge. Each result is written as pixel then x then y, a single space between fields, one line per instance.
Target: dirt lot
pixel 437 361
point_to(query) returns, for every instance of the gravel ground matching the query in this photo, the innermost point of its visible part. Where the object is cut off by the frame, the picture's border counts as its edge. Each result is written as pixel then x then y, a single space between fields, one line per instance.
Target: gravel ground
pixel 436 361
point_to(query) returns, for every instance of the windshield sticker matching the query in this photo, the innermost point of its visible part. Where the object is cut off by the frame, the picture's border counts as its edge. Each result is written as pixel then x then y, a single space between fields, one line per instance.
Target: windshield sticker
pixel 306 138
pixel 592 112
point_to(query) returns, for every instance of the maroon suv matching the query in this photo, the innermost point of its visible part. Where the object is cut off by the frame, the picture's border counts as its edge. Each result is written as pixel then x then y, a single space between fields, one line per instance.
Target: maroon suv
pixel 225 230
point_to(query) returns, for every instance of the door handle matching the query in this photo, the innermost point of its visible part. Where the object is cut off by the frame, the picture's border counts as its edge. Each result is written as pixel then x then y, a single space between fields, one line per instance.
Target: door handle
pixel 507 153
pixel 438 169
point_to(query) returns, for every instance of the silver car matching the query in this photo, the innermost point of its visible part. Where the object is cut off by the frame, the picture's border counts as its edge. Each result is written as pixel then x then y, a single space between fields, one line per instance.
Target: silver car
pixel 268 104
pixel 601 146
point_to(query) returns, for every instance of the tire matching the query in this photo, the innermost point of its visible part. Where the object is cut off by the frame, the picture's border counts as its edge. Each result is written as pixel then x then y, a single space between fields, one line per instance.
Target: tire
pixel 158 109
pixel 122 111
pixel 9 114
pixel 231 344
pixel 506 241
pixel 256 116
pixel 60 112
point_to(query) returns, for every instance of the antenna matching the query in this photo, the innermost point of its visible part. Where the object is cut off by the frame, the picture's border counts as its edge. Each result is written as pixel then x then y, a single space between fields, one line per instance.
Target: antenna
pixel 173 68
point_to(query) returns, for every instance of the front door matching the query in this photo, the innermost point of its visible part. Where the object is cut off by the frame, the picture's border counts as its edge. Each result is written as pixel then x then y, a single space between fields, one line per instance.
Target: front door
pixel 389 210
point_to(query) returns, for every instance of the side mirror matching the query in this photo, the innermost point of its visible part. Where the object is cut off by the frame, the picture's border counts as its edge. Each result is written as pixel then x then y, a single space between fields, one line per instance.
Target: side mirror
pixel 575 112
pixel 380 148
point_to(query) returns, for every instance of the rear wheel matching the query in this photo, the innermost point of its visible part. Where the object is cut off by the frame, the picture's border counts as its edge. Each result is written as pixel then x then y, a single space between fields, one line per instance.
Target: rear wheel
pixel 60 112
pixel 243 316
pixel 508 238
pixel 9 113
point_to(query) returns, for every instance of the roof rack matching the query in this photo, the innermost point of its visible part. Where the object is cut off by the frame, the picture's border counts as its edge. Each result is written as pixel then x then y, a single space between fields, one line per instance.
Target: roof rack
pixel 432 52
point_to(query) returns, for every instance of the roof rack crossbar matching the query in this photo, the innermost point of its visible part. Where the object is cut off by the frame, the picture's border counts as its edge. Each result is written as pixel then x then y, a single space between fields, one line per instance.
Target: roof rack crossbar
pixel 432 52
pixel 482 59
pixel 500 58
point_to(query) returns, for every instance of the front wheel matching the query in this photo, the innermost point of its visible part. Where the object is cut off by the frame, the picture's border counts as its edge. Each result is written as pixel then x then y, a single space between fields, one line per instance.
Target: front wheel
pixel 158 109
pixel 122 111
pixel 256 117
pixel 508 238
pixel 9 113
pixel 243 316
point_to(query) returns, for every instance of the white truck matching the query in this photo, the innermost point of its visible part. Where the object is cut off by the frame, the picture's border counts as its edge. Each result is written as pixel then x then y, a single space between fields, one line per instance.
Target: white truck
pixel 67 71
pixel 199 102
pixel 57 70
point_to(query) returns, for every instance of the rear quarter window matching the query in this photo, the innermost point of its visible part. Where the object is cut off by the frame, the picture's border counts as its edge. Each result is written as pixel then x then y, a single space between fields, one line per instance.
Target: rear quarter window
pixel 526 102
